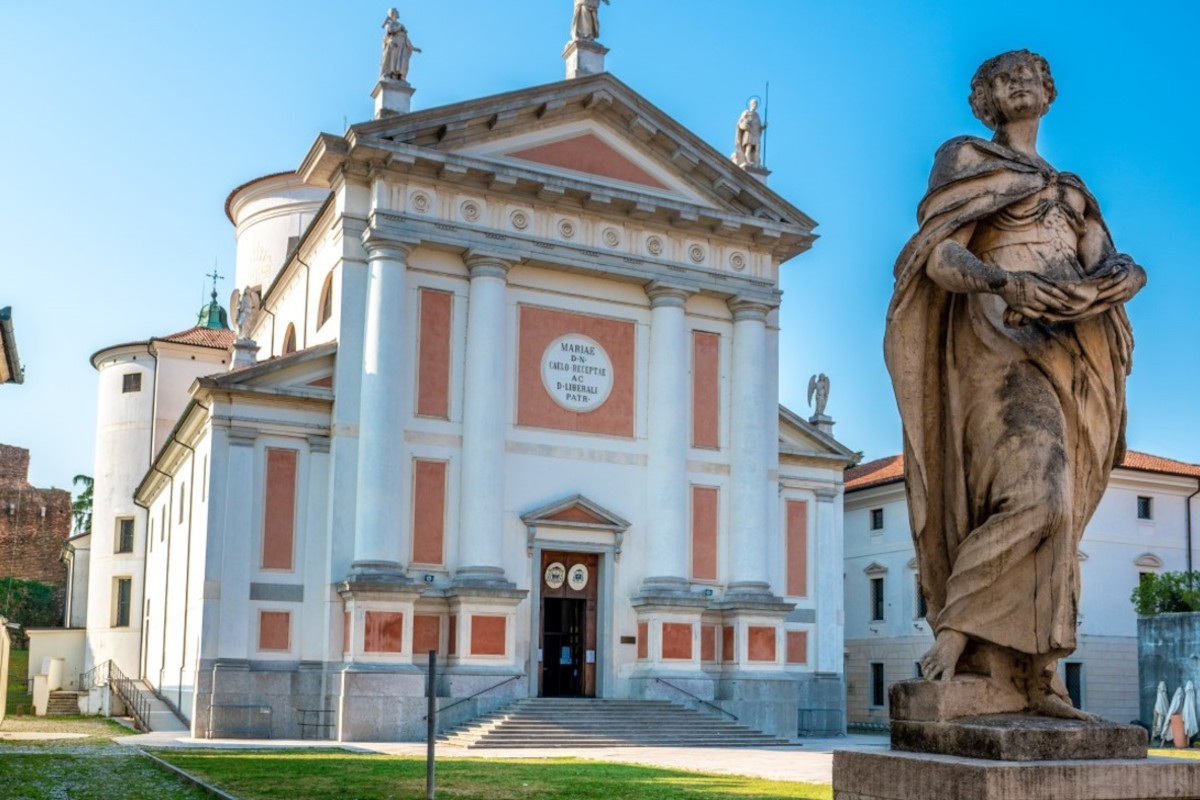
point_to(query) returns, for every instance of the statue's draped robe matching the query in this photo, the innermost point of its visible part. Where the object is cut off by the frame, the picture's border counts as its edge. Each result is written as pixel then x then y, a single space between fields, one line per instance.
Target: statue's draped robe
pixel 1009 433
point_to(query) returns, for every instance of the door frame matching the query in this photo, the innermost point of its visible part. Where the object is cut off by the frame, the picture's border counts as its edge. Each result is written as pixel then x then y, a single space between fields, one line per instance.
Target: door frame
pixel 604 611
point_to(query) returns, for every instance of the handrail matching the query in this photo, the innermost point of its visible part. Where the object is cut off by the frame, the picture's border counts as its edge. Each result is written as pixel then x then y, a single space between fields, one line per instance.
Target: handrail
pixel 697 697
pixel 133 697
pixel 472 697
pixel 96 676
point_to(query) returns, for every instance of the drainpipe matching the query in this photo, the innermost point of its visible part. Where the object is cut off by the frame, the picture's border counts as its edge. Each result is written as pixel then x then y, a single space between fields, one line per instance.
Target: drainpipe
pixel 1187 516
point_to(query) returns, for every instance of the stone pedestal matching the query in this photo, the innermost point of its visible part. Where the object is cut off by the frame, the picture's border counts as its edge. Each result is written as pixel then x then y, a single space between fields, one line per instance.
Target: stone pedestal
pixel 392 97
pixel 1021 737
pixel 584 58
pixel 245 354
pixel 760 174
pixel 909 776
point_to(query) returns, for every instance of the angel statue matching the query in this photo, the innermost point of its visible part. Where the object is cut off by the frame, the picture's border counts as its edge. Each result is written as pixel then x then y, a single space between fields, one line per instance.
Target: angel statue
pixel 585 25
pixel 818 386
pixel 246 304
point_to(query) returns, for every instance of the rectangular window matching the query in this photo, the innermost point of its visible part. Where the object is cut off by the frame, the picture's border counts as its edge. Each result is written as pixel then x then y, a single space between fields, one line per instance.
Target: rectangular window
pixel 878 693
pixel 124 535
pixel 274 630
pixel 705 520
pixel 876 519
pixel 797 548
pixel 876 599
pixel 123 598
pixel 921 608
pixel 131 382
pixel 706 390
pixel 1074 680
pixel 279 509
pixel 1145 507
pixel 433 354
pixel 429 511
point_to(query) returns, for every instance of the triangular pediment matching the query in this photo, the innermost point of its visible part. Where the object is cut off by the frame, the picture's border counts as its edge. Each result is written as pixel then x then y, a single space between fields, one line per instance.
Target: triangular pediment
pixel 798 437
pixel 306 372
pixel 575 511
pixel 590 141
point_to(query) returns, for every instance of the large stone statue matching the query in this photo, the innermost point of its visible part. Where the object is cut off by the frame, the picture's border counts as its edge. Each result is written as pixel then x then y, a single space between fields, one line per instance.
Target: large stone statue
pixel 748 146
pixel 585 24
pixel 1008 346
pixel 397 48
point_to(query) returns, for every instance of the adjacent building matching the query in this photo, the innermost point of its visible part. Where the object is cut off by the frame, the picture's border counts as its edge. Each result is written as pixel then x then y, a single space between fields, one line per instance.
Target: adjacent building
pixel 1142 525
pixel 34 522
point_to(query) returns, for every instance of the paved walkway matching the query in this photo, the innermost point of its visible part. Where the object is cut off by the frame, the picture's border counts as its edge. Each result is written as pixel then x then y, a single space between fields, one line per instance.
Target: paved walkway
pixel 810 761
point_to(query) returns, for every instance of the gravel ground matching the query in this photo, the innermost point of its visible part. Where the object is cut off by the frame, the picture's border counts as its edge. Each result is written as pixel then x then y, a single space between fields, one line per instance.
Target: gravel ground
pixel 88 768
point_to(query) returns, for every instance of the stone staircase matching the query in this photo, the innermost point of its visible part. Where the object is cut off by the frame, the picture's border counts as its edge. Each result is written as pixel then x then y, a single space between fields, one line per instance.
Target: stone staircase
pixel 571 722
pixel 62 704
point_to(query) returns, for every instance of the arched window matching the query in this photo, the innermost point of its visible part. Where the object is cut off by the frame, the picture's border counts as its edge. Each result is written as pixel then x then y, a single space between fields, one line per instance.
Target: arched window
pixel 325 307
pixel 289 339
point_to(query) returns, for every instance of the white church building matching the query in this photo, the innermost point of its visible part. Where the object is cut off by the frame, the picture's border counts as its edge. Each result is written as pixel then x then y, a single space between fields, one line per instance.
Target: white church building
pixel 504 388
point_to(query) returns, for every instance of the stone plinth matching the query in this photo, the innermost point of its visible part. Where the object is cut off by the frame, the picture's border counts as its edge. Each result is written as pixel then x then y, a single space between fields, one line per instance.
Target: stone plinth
pixel 584 58
pixel 910 776
pixel 392 97
pixel 938 701
pixel 1021 737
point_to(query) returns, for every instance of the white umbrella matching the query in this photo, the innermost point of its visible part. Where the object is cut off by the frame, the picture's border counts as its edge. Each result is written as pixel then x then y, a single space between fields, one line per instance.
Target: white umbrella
pixel 1190 724
pixel 1160 709
pixel 1176 706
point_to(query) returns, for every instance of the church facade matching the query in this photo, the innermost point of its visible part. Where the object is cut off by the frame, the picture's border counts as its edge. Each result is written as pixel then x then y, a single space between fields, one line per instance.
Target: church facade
pixel 504 390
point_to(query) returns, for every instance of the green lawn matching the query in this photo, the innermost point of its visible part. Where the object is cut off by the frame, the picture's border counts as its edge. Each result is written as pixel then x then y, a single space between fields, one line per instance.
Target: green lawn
pixel 335 775
pixel 102 773
pixel 1171 752
pixel 18 668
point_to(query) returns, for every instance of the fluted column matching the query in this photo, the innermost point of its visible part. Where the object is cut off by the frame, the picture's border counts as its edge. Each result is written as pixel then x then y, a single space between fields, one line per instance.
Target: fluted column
pixel 667 533
pixel 481 513
pixel 381 531
pixel 750 444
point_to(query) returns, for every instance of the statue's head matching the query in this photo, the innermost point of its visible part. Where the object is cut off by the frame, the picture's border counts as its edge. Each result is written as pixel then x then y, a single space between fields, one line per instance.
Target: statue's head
pixel 393 13
pixel 983 101
pixel 753 103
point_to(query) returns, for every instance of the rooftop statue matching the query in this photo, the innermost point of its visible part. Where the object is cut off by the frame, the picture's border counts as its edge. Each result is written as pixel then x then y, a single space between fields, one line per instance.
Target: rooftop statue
pixel 1008 346
pixel 585 24
pixel 748 144
pixel 397 48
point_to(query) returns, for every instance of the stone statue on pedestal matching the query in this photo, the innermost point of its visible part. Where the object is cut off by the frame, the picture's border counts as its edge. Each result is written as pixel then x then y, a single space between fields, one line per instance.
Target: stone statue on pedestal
pixel 246 304
pixel 748 145
pixel 818 388
pixel 397 48
pixel 1008 346
pixel 585 24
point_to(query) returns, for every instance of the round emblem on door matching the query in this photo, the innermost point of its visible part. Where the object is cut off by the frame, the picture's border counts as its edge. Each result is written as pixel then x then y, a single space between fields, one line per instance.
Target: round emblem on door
pixel 556 574
pixel 578 577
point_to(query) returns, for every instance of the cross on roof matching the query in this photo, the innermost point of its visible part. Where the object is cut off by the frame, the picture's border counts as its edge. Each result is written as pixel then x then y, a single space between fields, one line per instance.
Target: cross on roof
pixel 215 278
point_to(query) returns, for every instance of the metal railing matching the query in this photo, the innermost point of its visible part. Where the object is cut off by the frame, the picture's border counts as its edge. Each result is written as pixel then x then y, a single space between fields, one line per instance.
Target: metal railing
pixel 109 674
pixel 699 698
pixel 472 697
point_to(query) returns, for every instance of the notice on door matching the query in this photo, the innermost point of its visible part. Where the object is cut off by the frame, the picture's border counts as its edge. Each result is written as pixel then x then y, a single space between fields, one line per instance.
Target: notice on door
pixel 577 372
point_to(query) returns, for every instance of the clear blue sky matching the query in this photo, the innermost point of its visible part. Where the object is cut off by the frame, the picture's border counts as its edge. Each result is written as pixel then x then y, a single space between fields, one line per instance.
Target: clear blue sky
pixel 125 125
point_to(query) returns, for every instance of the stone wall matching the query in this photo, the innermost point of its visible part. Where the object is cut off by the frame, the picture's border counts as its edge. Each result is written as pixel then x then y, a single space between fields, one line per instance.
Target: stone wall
pixel 1168 650
pixel 34 522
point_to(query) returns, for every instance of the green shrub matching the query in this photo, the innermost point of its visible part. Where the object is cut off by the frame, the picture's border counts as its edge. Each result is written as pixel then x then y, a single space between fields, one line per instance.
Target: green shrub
pixel 31 604
pixel 1166 593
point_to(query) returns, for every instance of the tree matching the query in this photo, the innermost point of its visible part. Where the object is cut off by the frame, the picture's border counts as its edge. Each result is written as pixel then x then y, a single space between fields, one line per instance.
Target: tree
pixel 1170 592
pixel 81 506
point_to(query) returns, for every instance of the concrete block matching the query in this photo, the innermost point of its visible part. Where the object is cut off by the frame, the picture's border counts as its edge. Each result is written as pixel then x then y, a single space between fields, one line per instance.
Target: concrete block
pixel 910 776
pixel 1021 737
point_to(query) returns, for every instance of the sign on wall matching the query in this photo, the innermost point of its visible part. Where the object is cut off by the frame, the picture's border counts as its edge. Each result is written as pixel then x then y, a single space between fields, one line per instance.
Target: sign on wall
pixel 577 372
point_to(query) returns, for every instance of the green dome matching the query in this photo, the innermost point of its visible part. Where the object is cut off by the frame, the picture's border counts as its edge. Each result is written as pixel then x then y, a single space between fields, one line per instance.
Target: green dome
pixel 212 315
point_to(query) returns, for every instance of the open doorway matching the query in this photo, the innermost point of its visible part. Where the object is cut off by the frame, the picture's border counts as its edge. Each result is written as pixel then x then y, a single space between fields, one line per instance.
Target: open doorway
pixel 568 625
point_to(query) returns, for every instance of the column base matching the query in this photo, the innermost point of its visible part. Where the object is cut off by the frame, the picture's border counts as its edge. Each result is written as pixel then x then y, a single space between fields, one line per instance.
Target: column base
pixel 750 591
pixel 380 573
pixel 481 578
pixel 666 587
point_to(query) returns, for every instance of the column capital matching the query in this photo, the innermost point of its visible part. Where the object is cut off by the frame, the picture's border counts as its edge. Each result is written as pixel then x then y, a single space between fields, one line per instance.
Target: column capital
pixel 662 293
pixel 379 246
pixel 482 263
pixel 826 495
pixel 744 308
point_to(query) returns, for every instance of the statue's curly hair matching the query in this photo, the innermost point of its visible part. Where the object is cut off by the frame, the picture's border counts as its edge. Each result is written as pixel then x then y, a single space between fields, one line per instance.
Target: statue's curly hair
pixel 982 104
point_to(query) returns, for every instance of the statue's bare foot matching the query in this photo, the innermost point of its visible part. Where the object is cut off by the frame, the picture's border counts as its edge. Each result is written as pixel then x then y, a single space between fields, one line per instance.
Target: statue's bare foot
pixel 942 658
pixel 1051 705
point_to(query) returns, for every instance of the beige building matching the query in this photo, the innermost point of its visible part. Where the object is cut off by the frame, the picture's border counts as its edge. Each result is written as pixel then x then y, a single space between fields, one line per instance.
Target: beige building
pixel 1143 524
